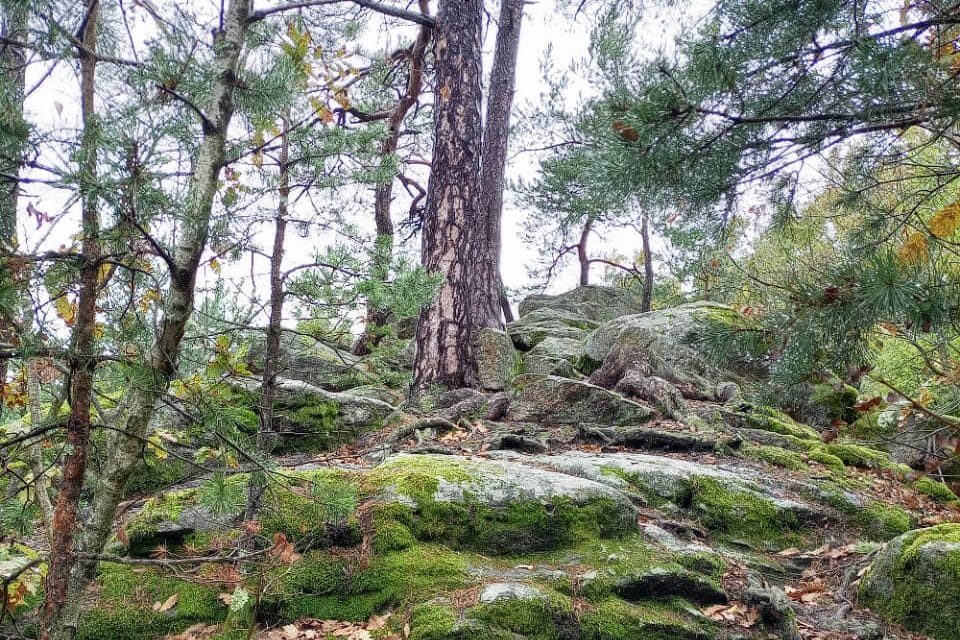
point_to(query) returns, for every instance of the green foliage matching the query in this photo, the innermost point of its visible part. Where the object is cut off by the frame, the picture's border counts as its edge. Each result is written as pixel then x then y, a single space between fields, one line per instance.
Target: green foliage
pixel 223 495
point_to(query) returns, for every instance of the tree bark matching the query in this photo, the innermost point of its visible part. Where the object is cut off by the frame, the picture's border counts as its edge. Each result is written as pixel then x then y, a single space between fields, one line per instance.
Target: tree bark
pixel 583 255
pixel 83 356
pixel 140 402
pixel 454 229
pixel 383 194
pixel 647 299
pixel 496 137
pixel 271 356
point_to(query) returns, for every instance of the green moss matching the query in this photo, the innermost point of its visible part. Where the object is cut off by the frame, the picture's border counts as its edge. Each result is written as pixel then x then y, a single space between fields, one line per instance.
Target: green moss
pixel 325 586
pixel 618 620
pixel 743 516
pixel 858 455
pixel 880 521
pixel 521 525
pixel 152 475
pixel 534 618
pixel 636 485
pixel 837 398
pixel 164 507
pixel 827 459
pixel 936 490
pixel 775 456
pixel 704 563
pixel 924 593
pixel 770 419
pixel 432 622
pixel 126 597
pixel 316 423
pixel 868 427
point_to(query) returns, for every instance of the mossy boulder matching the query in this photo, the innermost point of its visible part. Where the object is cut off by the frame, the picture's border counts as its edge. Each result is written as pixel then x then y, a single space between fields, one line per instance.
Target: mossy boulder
pixel 590 302
pixel 936 490
pixel 555 356
pixel 555 400
pixel 739 505
pixel 309 418
pixel 498 506
pixel 836 399
pixel 313 361
pixel 541 324
pixel 915 581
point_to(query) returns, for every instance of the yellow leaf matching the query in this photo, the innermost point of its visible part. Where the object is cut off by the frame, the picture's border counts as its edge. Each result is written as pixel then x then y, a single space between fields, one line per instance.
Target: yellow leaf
pixel 98 331
pixel 104 273
pixel 66 310
pixel 215 265
pixel 946 222
pixel 914 249
pixel 167 604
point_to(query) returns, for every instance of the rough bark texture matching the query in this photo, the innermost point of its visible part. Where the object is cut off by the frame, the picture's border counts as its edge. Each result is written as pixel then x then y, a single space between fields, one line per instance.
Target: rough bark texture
pixel 454 229
pixel 271 356
pixel 383 194
pixel 496 136
pixel 83 356
pixel 126 442
pixel 647 300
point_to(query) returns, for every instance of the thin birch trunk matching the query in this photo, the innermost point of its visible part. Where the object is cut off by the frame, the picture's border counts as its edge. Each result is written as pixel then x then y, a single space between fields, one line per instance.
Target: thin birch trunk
pixel 126 443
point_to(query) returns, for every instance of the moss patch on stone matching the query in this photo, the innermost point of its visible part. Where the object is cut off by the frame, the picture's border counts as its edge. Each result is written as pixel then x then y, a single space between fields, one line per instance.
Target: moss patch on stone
pixel 770 419
pixel 618 620
pixel 742 516
pixel 827 459
pixel 880 521
pixel 325 586
pixel 917 589
pixel 544 618
pixel 776 456
pixel 125 605
pixel 936 490
pixel 856 455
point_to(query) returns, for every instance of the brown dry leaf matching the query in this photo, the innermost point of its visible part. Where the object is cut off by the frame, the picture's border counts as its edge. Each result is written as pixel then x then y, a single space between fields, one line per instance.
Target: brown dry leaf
pixel 168 604
pixel 750 618
pixel 790 552
pixel 377 622
pixel 291 631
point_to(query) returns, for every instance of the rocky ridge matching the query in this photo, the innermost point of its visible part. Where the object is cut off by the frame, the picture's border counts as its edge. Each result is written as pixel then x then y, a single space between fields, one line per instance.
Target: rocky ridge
pixel 612 483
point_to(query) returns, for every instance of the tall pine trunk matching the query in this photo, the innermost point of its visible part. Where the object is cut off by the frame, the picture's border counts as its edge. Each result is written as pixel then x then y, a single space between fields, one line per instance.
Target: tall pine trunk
pixel 142 396
pixel 496 136
pixel 454 229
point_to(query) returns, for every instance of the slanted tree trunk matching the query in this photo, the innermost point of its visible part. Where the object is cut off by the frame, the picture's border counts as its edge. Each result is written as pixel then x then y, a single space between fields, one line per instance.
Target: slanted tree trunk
pixel 583 253
pixel 383 194
pixel 82 359
pixel 13 67
pixel 454 229
pixel 496 136
pixel 271 358
pixel 126 442
pixel 647 299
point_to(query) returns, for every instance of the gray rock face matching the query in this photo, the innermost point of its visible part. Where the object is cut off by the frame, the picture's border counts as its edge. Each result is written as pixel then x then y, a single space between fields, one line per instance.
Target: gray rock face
pixel 660 344
pixel 308 417
pixel 669 479
pixel 914 581
pixel 555 400
pixel 545 323
pixel 589 302
pixel 312 361
pixel 510 591
pixel 555 356
pixel 496 359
